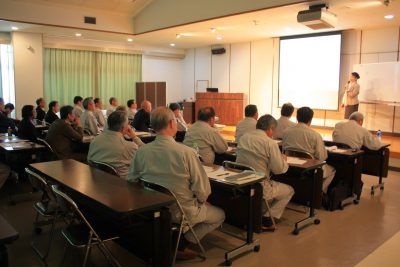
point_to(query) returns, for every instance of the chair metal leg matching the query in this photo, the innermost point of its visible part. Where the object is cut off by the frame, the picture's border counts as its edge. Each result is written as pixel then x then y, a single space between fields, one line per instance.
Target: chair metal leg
pixel 177 243
pixel 44 255
pixel 270 214
pixel 197 240
pixel 88 247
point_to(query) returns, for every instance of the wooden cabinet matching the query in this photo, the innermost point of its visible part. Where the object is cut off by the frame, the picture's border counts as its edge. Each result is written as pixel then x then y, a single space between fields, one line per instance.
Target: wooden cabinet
pixel 229 107
pixel 155 92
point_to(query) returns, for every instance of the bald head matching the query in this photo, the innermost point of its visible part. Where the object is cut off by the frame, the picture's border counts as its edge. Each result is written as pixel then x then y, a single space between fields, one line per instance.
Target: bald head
pixel 146 105
pixel 163 121
pixel 357 117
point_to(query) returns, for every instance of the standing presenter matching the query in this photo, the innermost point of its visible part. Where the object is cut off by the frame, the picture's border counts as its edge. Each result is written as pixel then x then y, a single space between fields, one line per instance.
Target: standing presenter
pixel 350 97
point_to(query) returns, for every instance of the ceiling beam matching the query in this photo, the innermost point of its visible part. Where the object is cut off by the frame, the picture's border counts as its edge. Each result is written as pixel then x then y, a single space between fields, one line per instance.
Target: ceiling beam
pixel 164 14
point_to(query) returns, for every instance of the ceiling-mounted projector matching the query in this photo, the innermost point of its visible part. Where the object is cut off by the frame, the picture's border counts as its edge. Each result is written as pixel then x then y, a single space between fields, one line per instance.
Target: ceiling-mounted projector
pixel 317 18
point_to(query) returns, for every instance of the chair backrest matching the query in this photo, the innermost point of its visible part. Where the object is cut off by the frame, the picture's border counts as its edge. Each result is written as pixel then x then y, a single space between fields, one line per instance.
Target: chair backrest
pixel 162 189
pixel 53 154
pixel 236 166
pixel 39 183
pixel 297 153
pixel 64 201
pixel 180 136
pixel 103 166
pixel 44 142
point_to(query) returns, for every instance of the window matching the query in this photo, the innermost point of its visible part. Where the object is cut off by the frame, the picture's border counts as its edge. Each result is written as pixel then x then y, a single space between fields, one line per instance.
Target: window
pixel 7 86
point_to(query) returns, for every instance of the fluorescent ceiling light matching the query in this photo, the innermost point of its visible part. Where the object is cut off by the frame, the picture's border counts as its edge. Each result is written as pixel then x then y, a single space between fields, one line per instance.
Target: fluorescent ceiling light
pixel 130 40
pixel 14 28
pixel 389 16
pixel 78 34
pixel 172 44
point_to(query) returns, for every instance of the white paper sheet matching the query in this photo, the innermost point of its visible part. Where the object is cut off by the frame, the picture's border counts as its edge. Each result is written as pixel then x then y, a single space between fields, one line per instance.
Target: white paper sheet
pixel 294 160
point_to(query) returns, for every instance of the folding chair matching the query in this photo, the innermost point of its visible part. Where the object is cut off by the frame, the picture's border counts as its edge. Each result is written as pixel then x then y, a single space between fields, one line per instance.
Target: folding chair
pixel 243 167
pixel 53 154
pixel 82 234
pixel 104 167
pixel 46 208
pixel 184 223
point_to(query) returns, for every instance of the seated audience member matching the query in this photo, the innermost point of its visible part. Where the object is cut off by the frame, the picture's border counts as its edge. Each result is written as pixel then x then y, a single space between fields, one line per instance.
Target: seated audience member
pixel 302 137
pixel 177 167
pixel 64 134
pixel 132 108
pixel 122 108
pixel 258 150
pixel 88 120
pixel 6 123
pixel 141 121
pixel 205 137
pixel 176 108
pixel 111 147
pixel 284 121
pixel 78 106
pixel 354 135
pixel 98 112
pixel 248 124
pixel 40 112
pixel 26 128
pixel 51 115
pixel 113 105
pixel 8 109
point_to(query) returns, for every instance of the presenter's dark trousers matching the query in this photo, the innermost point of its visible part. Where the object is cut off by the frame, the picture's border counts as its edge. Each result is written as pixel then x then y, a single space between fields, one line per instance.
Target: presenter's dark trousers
pixel 349 110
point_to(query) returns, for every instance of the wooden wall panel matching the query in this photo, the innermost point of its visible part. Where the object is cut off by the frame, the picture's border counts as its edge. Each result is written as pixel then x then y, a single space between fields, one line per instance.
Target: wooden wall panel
pixel 161 94
pixel 229 107
pixel 140 93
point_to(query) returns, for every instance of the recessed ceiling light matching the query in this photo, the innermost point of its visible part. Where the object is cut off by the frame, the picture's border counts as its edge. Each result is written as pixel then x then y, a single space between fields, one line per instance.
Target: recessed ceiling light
pixel 129 40
pixel 78 34
pixel 172 44
pixel 389 16
pixel 178 36
pixel 213 30
pixel 219 38
pixel 14 28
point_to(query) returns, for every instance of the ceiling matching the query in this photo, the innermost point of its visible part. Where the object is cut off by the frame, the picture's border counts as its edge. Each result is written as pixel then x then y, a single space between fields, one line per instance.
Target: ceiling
pixel 127 7
pixel 355 14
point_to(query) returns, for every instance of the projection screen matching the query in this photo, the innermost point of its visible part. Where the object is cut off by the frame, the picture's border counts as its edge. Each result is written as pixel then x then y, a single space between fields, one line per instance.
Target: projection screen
pixel 309 70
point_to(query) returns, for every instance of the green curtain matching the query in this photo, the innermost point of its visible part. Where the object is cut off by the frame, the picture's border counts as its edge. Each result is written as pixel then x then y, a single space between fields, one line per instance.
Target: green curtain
pixel 68 73
pixel 117 75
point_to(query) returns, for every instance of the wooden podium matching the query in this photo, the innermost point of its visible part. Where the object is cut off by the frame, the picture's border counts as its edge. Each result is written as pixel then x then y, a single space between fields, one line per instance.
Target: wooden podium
pixel 229 107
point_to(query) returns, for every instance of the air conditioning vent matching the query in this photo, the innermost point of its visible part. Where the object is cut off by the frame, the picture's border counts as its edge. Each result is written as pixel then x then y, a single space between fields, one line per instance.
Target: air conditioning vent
pixel 90 20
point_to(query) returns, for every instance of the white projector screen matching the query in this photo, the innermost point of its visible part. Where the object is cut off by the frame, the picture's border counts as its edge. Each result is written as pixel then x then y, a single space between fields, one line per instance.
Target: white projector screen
pixel 309 71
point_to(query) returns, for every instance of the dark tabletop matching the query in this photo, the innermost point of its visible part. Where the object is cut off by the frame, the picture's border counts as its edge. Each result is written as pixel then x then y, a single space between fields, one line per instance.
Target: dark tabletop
pixel 111 191
pixel 7 233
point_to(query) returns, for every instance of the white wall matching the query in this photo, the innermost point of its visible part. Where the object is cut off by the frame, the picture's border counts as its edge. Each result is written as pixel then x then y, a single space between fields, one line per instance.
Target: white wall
pixel 244 68
pixel 155 69
pixel 28 68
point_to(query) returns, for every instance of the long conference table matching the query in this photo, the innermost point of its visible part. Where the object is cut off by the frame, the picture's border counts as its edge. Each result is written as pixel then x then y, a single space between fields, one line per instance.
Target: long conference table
pixel 112 200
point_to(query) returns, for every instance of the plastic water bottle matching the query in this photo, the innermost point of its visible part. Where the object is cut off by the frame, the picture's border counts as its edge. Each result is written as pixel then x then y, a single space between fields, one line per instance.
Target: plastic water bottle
pixel 9 131
pixel 379 134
